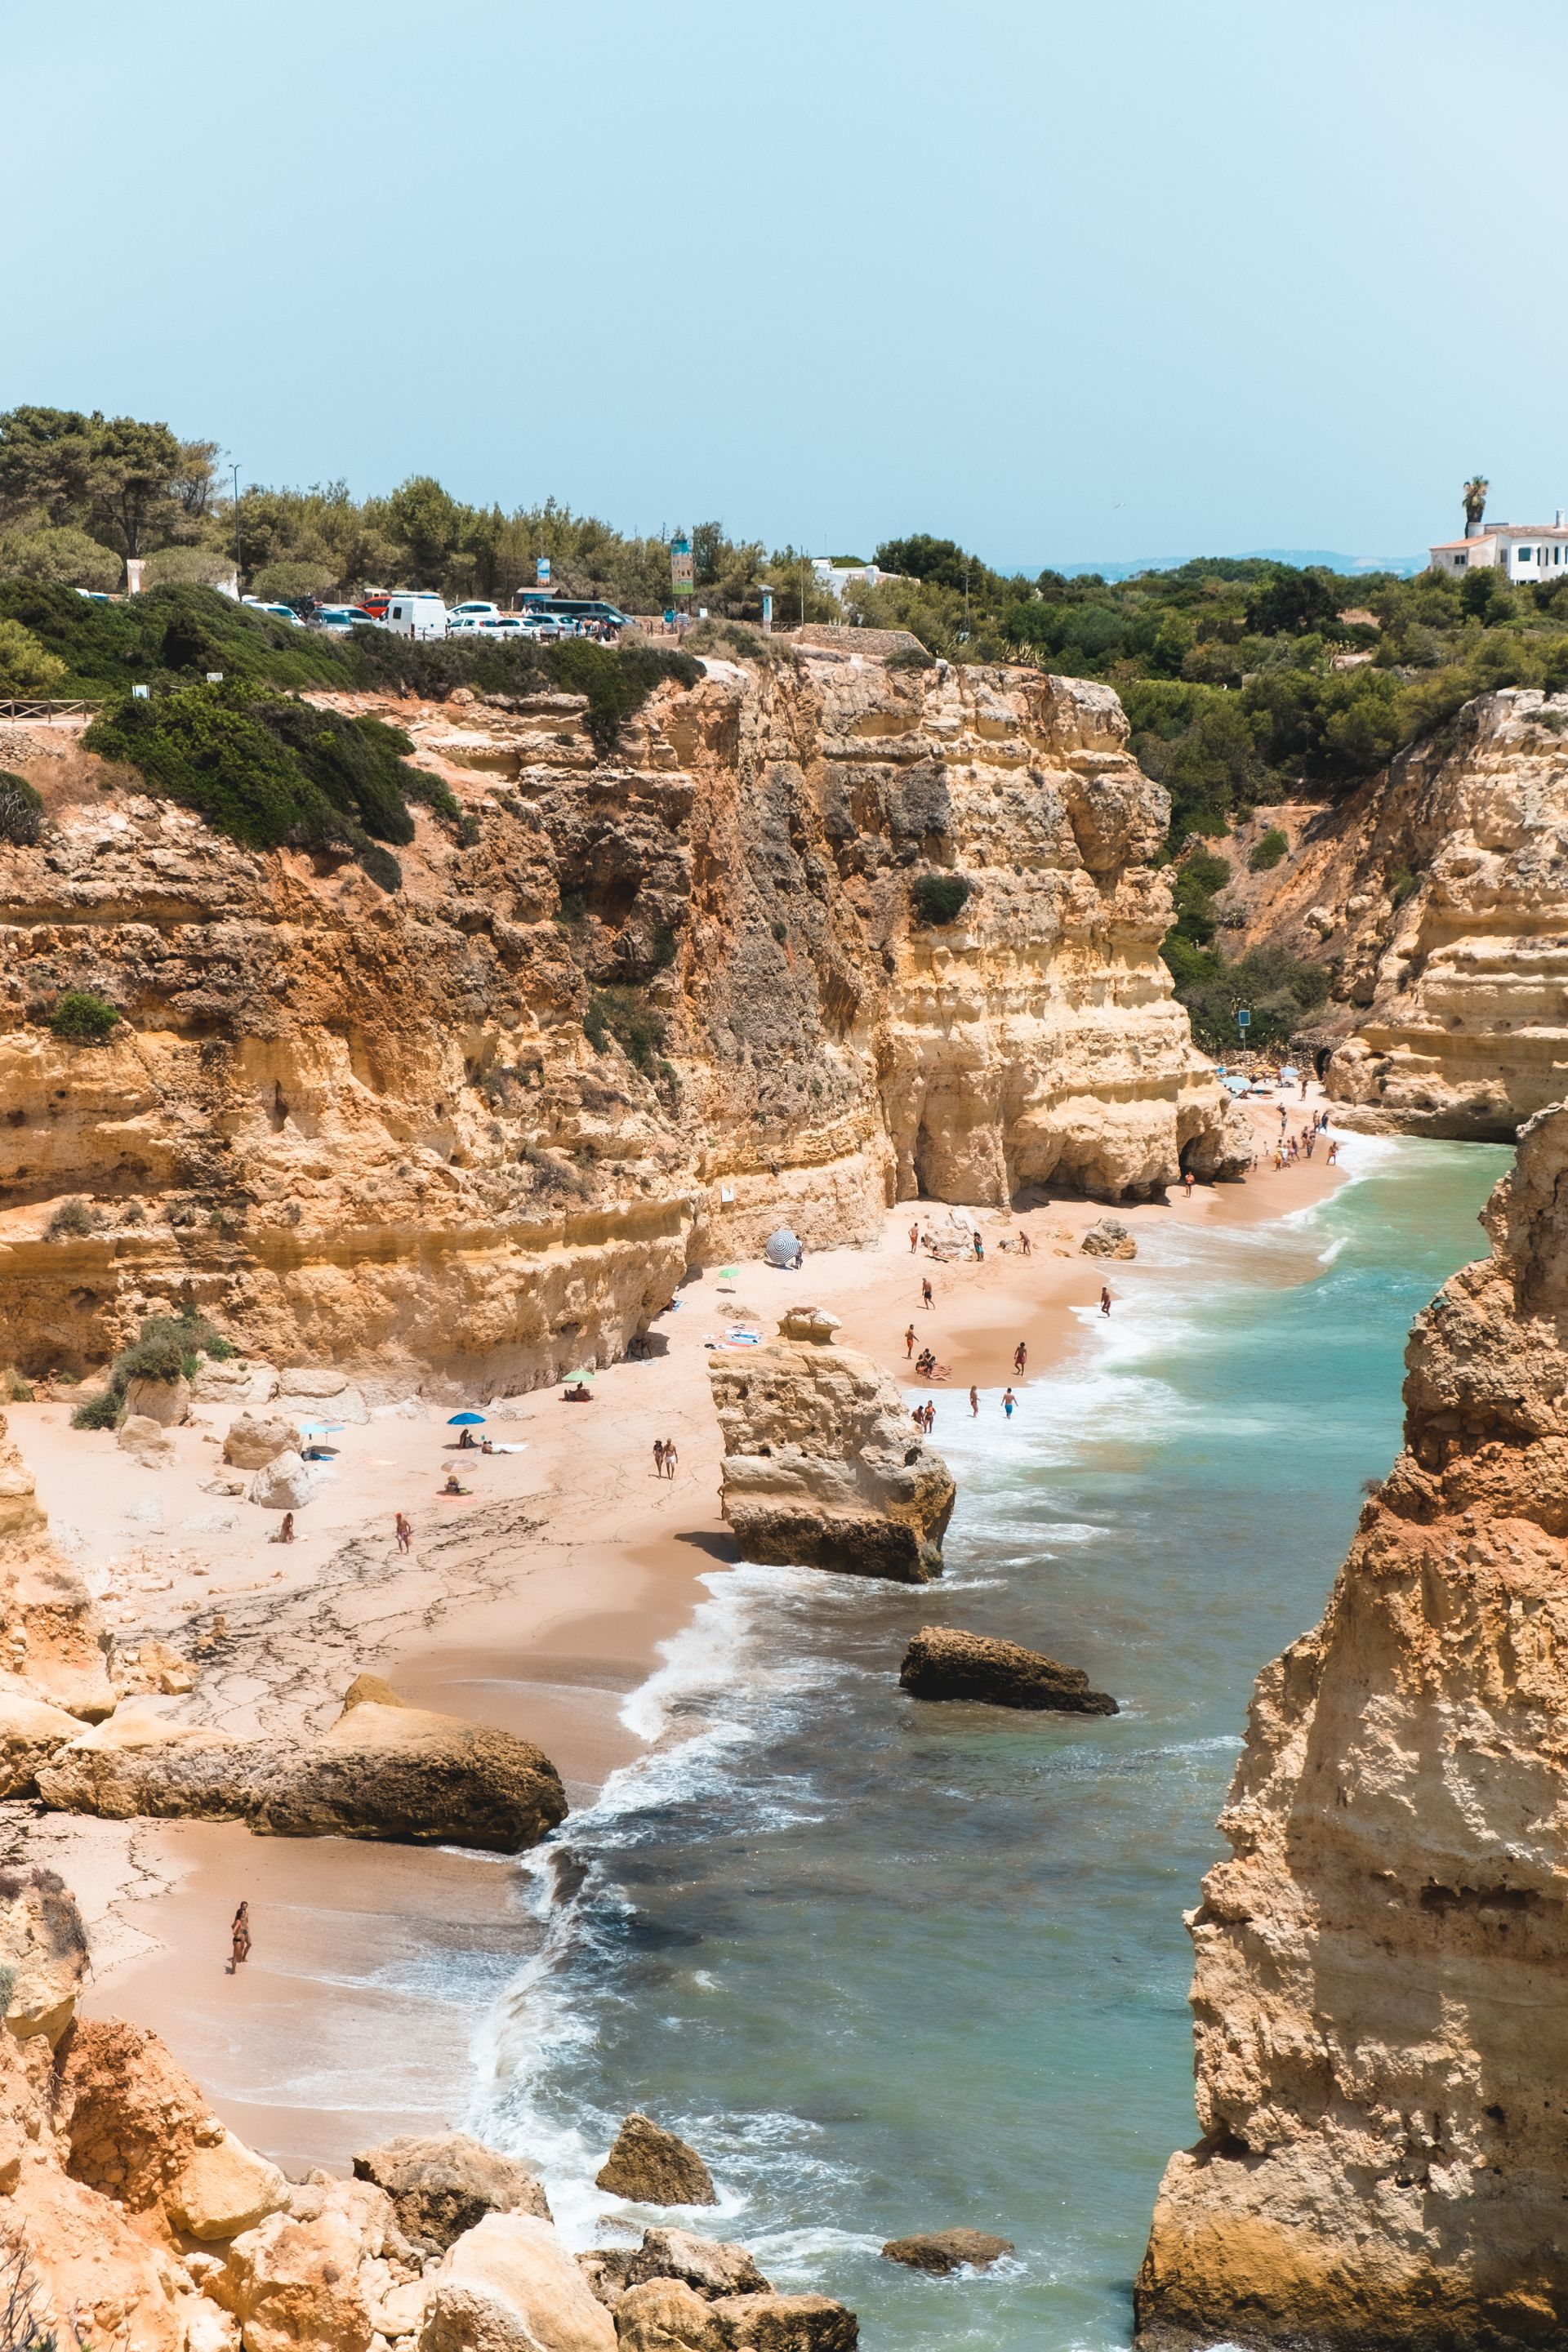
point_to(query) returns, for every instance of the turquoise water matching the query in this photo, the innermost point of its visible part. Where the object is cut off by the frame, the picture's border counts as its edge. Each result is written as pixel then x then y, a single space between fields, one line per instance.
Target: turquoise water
pixel 894 1967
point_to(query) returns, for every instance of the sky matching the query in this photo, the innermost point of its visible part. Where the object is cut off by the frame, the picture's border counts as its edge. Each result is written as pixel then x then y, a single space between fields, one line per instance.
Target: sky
pixel 1124 279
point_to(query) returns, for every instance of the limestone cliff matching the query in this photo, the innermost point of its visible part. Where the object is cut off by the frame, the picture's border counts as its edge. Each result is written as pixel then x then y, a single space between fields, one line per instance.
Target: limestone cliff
pixel 1380 2035
pixel 376 1128
pixel 1439 892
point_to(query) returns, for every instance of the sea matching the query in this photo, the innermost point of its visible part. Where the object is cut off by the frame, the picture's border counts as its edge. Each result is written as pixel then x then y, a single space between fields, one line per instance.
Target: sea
pixel 893 1966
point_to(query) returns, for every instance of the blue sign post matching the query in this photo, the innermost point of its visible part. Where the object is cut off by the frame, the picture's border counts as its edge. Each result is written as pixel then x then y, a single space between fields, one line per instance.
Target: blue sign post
pixel 1244 1021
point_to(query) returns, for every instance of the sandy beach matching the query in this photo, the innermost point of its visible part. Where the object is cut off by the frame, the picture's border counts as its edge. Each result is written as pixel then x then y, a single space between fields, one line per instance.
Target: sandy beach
pixel 538 1601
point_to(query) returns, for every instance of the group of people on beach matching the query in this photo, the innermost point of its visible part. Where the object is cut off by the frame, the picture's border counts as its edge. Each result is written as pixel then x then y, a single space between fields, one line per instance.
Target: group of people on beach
pixel 1289 1149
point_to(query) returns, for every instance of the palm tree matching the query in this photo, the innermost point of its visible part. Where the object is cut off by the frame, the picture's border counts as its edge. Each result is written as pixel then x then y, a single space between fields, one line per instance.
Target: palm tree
pixel 1475 497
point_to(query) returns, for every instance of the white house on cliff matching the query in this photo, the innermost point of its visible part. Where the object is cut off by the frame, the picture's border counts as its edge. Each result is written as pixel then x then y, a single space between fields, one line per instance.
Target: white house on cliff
pixel 1521 550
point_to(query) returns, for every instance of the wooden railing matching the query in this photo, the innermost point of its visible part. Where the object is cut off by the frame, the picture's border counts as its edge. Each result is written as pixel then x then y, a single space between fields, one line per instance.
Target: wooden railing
pixel 35 707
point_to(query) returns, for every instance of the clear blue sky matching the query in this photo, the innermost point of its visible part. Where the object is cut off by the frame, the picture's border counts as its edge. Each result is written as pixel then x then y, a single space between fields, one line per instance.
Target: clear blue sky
pixel 1160 277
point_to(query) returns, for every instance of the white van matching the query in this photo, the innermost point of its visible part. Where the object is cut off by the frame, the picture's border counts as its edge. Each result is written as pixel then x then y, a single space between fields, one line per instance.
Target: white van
pixel 416 613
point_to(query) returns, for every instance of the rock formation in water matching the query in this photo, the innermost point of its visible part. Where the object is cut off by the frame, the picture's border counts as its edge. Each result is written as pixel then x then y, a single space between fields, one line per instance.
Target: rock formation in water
pixel 824 1466
pixel 941 2252
pixel 653 2166
pixel 941 1663
pixel 1381 2041
pixel 627 1017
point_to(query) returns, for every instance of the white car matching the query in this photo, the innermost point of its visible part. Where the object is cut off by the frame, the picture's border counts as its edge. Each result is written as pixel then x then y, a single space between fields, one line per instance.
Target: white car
pixel 276 612
pixel 475 606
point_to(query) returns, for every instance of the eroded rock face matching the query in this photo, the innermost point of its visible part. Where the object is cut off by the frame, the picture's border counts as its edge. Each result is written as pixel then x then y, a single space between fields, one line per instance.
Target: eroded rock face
pixel 443 2183
pixel 653 2166
pixel 823 1465
pixel 1438 894
pixel 510 2285
pixel 941 1663
pixel 1379 2028
pixel 372 1128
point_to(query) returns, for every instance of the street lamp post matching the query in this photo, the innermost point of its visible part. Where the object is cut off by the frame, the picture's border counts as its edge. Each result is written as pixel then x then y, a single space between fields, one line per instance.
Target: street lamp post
pixel 237 571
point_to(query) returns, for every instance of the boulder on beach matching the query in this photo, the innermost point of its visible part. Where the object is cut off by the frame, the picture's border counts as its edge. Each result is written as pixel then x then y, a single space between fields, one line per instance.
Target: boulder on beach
pixel 943 1662
pixel 285 1484
pixel 941 2251
pixel 1109 1238
pixel 652 2167
pixel 146 1440
pixel 31 1731
pixel 443 2183
pixel 256 1439
pixel 387 1770
pixel 168 1402
pixel 510 2285
pixel 140 1763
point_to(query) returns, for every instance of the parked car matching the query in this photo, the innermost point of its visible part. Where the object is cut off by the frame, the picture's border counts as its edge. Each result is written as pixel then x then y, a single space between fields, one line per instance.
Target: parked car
pixel 337 620
pixel 502 627
pixel 414 613
pixel 278 612
pixel 478 606
pixel 544 629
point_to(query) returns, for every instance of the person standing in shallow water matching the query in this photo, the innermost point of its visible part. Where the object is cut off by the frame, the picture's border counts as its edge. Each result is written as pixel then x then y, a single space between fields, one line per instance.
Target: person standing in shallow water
pixel 1105 1302
pixel 1008 1401
pixel 239 1939
pixel 975 1404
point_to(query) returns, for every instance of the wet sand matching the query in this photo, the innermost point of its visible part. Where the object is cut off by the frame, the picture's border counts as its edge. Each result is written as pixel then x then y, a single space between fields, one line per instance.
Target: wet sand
pixel 538 1602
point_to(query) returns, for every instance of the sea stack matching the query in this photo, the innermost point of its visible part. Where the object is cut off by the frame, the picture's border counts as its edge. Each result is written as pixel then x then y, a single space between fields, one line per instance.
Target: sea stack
pixel 824 1466
pixel 1382 2041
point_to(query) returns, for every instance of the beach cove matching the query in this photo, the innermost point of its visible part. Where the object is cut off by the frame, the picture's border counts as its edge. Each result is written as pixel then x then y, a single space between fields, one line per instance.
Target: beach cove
pixel 394 1989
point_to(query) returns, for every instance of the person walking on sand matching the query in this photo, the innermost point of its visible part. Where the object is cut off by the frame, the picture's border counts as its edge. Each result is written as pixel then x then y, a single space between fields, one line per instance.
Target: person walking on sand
pixel 910 1340
pixel 975 1404
pixel 928 1296
pixel 1105 1302
pixel 1025 1244
pixel 1008 1401
pixel 670 1457
pixel 239 1939
pixel 402 1531
pixel 914 1236
pixel 1187 1181
pixel 1020 1357
pixel 658 1457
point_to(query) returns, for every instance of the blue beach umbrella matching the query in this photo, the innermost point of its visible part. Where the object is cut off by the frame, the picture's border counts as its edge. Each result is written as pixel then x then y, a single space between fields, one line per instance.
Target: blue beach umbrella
pixel 464 1420
pixel 319 1428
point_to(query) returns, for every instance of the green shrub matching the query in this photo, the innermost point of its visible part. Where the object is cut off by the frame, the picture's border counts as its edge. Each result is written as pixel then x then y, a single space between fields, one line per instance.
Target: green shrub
pixel 83 1018
pixel 382 866
pixel 1278 989
pixel 21 811
pixel 1269 851
pixel 620 1013
pixel 171 636
pixel 1400 885
pixel 71 1221
pixel 16 1388
pixel 267 771
pixel 937 898
pixel 26 666
pixel 99 1411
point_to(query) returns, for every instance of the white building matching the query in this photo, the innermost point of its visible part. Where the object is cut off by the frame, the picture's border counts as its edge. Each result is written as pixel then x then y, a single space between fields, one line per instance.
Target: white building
pixel 836 577
pixel 1522 551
